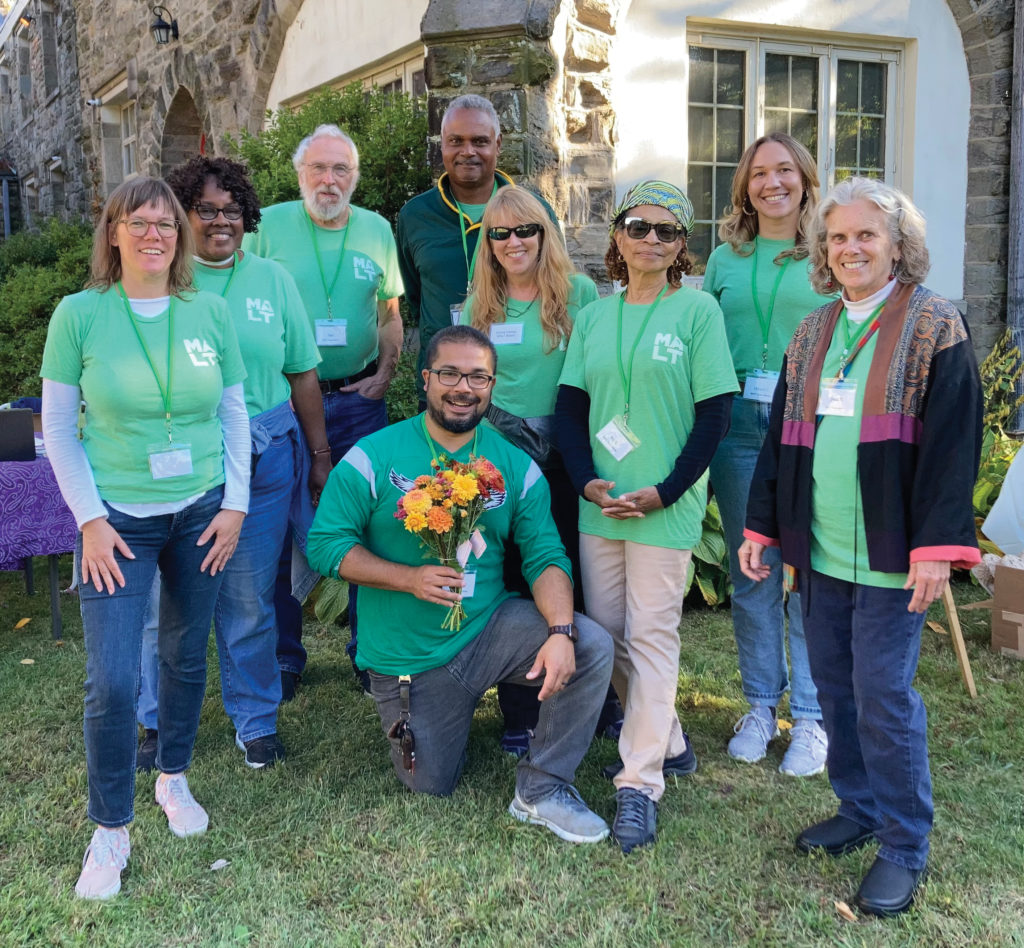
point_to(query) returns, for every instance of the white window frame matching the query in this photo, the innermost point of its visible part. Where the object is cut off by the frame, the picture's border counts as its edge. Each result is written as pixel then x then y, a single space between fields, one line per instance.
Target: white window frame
pixel 129 143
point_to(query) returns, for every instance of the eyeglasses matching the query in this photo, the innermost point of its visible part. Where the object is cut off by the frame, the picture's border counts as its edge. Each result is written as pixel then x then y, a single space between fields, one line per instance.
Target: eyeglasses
pixel 666 231
pixel 138 227
pixel 522 231
pixel 339 171
pixel 208 212
pixel 451 378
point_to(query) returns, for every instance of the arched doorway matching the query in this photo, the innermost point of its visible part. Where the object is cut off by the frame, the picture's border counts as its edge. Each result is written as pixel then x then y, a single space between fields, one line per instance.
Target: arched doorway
pixel 183 132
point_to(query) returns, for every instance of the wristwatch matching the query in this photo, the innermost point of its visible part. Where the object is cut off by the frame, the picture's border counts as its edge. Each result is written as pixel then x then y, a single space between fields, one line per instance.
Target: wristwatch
pixel 570 630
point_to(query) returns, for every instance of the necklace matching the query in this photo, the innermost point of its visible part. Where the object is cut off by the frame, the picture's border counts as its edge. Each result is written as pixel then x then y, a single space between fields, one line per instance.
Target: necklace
pixel 516 313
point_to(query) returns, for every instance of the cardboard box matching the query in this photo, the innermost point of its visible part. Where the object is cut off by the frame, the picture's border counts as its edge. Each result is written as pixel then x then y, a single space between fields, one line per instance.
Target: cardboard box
pixel 1008 613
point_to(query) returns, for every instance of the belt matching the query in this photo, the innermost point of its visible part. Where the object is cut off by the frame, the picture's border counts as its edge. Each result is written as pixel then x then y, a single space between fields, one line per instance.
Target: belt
pixel 332 385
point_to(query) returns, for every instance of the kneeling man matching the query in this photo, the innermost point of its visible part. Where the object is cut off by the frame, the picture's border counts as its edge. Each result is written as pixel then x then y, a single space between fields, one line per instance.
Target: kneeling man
pixel 427 680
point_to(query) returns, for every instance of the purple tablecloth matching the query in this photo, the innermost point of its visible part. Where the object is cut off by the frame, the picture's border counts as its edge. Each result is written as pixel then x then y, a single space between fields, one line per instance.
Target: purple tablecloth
pixel 34 520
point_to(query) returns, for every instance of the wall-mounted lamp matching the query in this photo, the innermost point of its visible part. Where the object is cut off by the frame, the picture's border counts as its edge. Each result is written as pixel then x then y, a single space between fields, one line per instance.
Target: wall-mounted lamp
pixel 25 21
pixel 163 30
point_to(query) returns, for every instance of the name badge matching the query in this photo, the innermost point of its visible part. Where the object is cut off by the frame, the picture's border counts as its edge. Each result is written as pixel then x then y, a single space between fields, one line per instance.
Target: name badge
pixel 332 332
pixel 617 438
pixel 838 398
pixel 506 334
pixel 760 386
pixel 169 460
pixel 455 310
pixel 468 583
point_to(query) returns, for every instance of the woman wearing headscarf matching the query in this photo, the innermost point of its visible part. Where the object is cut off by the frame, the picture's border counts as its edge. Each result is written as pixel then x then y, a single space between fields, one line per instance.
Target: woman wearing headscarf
pixel 643 402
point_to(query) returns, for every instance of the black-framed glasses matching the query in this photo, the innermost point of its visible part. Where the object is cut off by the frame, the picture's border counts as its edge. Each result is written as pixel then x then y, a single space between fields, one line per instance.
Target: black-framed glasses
pixel 522 231
pixel 138 227
pixel 452 377
pixel 207 212
pixel 666 231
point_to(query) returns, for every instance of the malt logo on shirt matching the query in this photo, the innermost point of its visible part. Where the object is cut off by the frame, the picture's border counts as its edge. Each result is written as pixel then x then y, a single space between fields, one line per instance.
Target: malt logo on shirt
pixel 364 269
pixel 667 348
pixel 259 311
pixel 201 353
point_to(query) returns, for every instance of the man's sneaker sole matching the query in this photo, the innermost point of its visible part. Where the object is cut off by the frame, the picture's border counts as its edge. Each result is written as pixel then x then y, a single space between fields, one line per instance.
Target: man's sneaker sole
pixel 525 816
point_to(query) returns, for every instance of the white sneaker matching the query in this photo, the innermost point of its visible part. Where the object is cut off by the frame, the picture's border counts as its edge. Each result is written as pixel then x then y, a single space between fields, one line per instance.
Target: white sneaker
pixel 185 817
pixel 105 858
pixel 753 733
pixel 808 748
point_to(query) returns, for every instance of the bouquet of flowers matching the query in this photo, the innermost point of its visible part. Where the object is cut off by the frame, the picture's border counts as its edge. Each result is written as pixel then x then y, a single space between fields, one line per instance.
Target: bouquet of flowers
pixel 442 508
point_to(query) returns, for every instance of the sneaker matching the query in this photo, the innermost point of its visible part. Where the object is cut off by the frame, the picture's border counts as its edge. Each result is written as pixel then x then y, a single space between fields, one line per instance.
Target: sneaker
pixel 682 765
pixel 516 742
pixel 289 682
pixel 635 817
pixel 185 817
pixel 753 733
pixel 145 756
pixel 104 860
pixel 261 751
pixel 564 813
pixel 808 748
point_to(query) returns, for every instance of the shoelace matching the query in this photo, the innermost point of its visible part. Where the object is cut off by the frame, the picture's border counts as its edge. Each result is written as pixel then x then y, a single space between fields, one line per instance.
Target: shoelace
pixel 570 796
pixel 808 734
pixel 757 721
pixel 632 810
pixel 177 790
pixel 107 849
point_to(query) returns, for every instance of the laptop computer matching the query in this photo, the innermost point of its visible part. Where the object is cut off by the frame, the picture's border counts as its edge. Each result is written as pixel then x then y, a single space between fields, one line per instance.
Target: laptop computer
pixel 17 439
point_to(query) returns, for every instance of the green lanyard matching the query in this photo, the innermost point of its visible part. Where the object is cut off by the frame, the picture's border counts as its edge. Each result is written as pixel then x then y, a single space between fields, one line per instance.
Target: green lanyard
pixel 626 374
pixel 430 441
pixel 165 393
pixel 765 322
pixel 470 264
pixel 328 290
pixel 235 258
pixel 859 339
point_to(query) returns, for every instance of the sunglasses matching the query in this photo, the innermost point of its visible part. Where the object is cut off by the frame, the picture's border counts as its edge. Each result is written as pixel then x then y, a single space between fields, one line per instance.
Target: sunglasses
pixel 522 231
pixel 666 231
pixel 208 212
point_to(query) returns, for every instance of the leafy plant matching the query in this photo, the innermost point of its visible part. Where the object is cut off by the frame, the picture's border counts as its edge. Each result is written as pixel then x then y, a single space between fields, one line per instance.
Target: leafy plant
pixel 709 565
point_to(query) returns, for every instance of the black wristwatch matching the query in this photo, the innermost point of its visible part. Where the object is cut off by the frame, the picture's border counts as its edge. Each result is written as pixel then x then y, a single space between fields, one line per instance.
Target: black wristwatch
pixel 570 630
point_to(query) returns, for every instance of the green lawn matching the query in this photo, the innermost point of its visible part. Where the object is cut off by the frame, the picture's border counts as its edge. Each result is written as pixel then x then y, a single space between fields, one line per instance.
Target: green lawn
pixel 329 850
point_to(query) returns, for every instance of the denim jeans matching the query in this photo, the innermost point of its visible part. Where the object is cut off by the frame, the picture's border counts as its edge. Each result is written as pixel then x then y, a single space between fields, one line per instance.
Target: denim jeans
pixel 864 646
pixel 348 416
pixel 758 612
pixel 443 699
pixel 113 643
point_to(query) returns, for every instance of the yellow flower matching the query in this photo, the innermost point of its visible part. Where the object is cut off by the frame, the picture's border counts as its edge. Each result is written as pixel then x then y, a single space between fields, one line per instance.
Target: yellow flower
pixel 464 488
pixel 416 502
pixel 448 475
pixel 415 522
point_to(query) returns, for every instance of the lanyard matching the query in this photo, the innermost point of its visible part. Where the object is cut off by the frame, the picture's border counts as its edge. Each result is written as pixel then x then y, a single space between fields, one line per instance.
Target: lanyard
pixel 165 394
pixel 626 374
pixel 859 339
pixel 470 264
pixel 765 322
pixel 234 266
pixel 430 441
pixel 328 290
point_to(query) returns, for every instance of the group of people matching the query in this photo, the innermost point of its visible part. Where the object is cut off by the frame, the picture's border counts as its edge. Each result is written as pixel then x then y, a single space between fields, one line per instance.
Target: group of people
pixel 222 378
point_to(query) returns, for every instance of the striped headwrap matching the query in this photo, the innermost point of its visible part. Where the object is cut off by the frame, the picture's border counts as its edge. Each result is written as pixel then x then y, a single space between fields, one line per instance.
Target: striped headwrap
pixel 659 194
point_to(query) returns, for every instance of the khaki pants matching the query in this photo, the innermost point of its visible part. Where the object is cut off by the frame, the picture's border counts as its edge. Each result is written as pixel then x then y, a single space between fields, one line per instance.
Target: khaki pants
pixel 636 592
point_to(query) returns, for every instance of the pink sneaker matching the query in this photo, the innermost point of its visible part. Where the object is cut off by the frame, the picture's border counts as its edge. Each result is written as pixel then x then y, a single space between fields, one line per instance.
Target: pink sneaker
pixel 105 858
pixel 185 817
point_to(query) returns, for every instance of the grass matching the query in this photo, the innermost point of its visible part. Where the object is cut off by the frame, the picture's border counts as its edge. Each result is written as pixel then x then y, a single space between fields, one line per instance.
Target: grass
pixel 329 850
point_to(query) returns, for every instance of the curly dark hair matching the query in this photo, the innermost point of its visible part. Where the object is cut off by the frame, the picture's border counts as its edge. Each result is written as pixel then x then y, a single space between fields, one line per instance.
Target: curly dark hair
pixel 618 272
pixel 188 179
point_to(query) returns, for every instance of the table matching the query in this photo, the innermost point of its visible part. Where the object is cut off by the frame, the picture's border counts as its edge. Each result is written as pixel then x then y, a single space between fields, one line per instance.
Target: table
pixel 34 521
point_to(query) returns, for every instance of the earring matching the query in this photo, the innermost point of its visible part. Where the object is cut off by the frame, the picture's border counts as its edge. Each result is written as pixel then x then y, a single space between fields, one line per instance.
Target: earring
pixel 830 284
pixel 746 204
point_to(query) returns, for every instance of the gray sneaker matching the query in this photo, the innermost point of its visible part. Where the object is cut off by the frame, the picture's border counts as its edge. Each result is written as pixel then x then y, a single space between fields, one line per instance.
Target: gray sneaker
pixel 564 813
pixel 636 816
pixel 754 731
pixel 808 749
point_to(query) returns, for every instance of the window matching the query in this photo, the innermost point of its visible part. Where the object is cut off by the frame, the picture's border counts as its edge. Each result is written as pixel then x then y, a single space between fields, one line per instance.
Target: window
pixel 128 140
pixel 24 79
pixel 48 34
pixel 836 100
pixel 118 130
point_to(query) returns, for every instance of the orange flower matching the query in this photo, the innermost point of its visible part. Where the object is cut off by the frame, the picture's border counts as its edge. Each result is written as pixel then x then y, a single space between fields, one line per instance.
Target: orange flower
pixel 416 502
pixel 439 520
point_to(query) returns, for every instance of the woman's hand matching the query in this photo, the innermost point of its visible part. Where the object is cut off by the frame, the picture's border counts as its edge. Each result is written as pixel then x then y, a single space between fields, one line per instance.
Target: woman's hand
pixel 928 579
pixel 99 565
pixel 223 529
pixel 751 564
pixel 597 492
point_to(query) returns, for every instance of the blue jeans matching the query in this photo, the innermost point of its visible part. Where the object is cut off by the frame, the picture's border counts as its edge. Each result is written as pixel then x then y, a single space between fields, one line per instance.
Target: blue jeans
pixel 349 417
pixel 443 699
pixel 113 643
pixel 864 647
pixel 758 611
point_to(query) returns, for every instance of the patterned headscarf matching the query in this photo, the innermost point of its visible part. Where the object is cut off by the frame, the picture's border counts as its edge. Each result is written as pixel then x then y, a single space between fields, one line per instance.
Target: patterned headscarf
pixel 659 194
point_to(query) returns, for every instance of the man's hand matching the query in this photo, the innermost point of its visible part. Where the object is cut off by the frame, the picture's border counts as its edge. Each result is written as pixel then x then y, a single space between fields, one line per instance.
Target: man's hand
pixel 373 387
pixel 598 492
pixel 429 584
pixel 557 661
pixel 928 579
pixel 319 471
pixel 751 564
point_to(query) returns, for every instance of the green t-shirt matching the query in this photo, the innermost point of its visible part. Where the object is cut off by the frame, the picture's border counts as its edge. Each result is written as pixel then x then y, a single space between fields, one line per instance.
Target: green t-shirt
pixel 839 546
pixel 527 371
pixel 682 358
pixel 368 273
pixel 728 279
pixel 398 633
pixel 90 343
pixel 270 321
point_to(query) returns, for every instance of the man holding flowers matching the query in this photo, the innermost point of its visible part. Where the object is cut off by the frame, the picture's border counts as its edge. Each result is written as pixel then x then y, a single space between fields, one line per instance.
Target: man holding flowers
pixel 419 514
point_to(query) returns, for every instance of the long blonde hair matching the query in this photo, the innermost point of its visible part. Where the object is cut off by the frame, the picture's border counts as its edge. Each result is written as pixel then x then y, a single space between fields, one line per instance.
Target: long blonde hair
pixel 740 226
pixel 552 274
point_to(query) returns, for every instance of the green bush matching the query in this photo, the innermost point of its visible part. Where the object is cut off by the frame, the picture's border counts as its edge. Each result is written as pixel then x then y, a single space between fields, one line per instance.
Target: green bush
pixel 36 271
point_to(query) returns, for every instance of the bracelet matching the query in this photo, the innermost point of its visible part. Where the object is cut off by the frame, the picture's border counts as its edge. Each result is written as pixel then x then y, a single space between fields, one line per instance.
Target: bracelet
pixel 313 454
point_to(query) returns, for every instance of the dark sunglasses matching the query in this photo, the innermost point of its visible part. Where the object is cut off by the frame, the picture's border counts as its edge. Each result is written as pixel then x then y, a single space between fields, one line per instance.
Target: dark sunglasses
pixel 666 231
pixel 522 231
pixel 207 212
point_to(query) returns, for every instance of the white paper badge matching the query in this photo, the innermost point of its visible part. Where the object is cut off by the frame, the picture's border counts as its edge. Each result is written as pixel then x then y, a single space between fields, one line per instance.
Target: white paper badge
pixel 507 334
pixel 468 582
pixel 169 460
pixel 455 310
pixel 760 386
pixel 332 332
pixel 838 398
pixel 617 438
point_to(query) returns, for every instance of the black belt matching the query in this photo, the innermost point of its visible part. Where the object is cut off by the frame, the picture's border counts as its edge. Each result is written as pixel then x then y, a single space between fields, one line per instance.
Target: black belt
pixel 332 385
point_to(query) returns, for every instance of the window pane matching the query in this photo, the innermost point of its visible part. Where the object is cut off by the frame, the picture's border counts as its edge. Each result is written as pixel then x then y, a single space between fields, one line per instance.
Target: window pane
pixel 729 138
pixel 723 188
pixel 776 81
pixel 872 87
pixel 846 141
pixel 804 94
pixel 776 120
pixel 702 75
pixel 730 79
pixel 860 118
pixel 698 244
pixel 871 132
pixel 702 133
pixel 804 129
pixel 698 190
pixel 847 86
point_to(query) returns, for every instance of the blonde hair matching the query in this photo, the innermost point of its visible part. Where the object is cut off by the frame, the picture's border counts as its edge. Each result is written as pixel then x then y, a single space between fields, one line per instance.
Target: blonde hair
pixel 552 272
pixel 126 199
pixel 740 226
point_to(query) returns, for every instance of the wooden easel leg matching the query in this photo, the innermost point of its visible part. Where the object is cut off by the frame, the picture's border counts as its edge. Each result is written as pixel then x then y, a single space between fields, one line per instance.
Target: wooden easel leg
pixel 958 641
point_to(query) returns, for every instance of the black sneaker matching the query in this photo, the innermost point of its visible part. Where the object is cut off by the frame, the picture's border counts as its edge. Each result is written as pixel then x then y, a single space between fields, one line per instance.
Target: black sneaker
pixel 609 724
pixel 145 756
pixel 516 742
pixel 289 682
pixel 682 765
pixel 261 751
pixel 636 816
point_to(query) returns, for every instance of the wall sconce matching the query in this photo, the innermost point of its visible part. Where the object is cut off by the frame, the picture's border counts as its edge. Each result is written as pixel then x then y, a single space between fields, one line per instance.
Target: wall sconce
pixel 163 30
pixel 25 21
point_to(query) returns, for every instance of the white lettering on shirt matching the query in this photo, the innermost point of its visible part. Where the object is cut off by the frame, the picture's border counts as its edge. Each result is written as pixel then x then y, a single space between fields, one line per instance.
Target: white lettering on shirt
pixel 201 353
pixel 364 269
pixel 672 346
pixel 259 311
